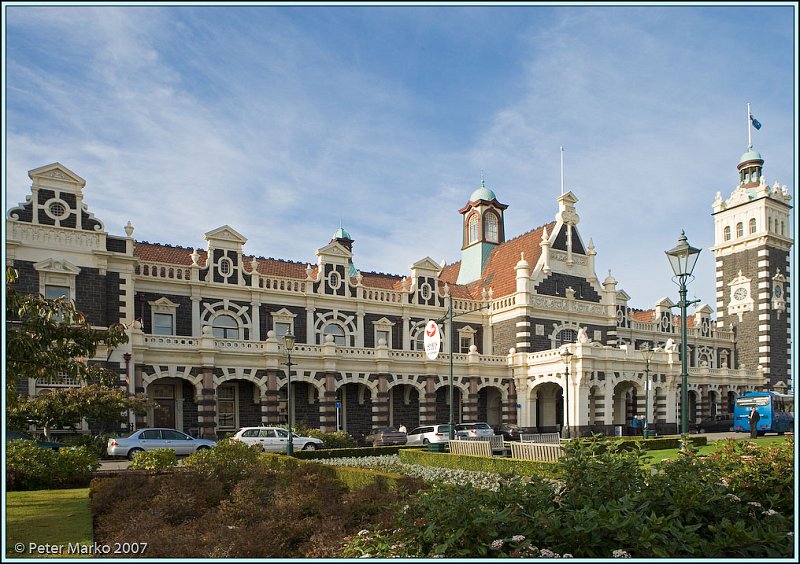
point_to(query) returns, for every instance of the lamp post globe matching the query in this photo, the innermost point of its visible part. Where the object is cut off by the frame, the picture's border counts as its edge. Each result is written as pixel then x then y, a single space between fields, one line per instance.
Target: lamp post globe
pixel 566 356
pixel 682 259
pixel 288 343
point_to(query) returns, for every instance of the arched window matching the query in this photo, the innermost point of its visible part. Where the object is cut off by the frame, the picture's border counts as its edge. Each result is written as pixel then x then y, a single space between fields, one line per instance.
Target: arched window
pixel 727 233
pixel 753 225
pixel 337 331
pixel 491 227
pixel 566 336
pixel 225 327
pixel 739 229
pixel 472 229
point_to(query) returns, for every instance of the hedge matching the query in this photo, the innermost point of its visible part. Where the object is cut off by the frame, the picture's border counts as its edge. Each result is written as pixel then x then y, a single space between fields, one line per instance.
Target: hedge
pixel 351 452
pixel 480 463
pixel 352 478
pixel 659 443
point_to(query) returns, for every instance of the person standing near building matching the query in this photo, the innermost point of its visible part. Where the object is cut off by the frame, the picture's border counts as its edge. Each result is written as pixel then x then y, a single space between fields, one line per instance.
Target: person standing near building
pixel 753 418
pixel 402 428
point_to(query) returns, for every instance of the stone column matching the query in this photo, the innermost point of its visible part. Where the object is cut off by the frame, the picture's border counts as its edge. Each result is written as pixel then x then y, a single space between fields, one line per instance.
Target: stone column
pixel 427 403
pixel 380 407
pixel 469 408
pixel 327 404
pixel 141 418
pixel 207 405
pixel 269 402
pixel 509 410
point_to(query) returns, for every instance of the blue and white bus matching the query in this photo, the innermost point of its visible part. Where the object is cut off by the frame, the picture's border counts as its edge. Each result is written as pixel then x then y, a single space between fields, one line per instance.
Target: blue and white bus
pixel 776 411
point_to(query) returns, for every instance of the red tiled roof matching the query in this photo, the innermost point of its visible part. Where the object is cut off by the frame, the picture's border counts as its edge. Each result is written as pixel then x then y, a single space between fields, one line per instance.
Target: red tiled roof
pixel 648 316
pixel 499 273
pixel 157 252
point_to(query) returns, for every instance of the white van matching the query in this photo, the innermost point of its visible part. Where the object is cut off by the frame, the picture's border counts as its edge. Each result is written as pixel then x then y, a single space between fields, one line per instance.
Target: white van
pixel 426 434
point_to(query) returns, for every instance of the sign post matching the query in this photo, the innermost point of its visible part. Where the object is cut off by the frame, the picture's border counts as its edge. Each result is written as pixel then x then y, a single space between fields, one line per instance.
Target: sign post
pixel 338 407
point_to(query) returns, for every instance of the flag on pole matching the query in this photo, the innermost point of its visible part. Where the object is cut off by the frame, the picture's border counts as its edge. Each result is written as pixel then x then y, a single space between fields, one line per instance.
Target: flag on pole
pixel 755 122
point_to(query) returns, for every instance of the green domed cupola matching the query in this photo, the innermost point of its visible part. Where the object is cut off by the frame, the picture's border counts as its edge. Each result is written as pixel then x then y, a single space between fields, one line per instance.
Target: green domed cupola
pixel 484 230
pixel 750 168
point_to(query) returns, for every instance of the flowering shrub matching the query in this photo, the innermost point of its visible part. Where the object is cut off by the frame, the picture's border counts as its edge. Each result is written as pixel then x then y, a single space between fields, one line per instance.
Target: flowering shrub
pixel 392 463
pixel 609 504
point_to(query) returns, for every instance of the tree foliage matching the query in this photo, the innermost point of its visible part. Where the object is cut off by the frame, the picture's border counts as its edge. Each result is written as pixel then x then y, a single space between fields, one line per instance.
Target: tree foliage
pixel 50 339
pixel 67 406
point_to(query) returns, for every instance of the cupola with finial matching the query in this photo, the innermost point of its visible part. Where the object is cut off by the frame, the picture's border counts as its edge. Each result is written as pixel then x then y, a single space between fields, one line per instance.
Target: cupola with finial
pixel 483 231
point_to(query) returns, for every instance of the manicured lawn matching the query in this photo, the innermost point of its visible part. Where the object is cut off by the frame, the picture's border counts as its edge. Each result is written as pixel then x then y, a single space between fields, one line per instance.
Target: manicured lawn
pixel 47 517
pixel 659 455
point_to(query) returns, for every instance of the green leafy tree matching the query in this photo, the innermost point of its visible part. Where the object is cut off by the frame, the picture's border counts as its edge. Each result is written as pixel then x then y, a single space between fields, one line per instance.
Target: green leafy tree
pixel 50 340
pixel 66 407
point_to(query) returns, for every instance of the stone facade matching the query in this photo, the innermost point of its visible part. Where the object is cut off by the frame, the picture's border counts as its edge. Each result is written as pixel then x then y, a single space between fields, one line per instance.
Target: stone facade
pixel 205 325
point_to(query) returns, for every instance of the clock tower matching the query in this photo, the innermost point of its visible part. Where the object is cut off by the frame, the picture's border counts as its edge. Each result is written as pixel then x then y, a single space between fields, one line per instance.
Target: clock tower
pixel 752 240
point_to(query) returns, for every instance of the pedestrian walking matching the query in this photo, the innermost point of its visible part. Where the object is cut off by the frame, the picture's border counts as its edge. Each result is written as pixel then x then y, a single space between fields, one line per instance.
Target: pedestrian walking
pixel 753 418
pixel 402 428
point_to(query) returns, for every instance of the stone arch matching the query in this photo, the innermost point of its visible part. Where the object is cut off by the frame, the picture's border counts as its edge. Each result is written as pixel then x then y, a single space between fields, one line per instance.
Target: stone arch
pixel 240 313
pixel 346 322
pixel 558 328
pixel 178 408
pixel 491 398
pixel 546 397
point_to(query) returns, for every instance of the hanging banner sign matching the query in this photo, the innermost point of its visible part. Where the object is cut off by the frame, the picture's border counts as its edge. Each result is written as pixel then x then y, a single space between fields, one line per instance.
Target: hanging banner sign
pixel 433 340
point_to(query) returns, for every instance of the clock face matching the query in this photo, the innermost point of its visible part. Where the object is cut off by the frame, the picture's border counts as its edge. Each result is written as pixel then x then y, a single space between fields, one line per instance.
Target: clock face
pixel 740 294
pixel 778 291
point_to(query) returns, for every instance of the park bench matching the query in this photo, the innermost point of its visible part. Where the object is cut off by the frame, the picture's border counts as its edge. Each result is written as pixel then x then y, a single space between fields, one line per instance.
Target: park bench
pixel 496 441
pixel 547 452
pixel 552 438
pixel 476 448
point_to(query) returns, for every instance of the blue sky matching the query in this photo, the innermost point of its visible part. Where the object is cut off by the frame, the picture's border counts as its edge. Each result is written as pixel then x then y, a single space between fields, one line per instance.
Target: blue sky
pixel 283 121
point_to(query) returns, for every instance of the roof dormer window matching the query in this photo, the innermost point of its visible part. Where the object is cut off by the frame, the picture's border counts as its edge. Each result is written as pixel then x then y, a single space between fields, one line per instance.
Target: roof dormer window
pixel 491 228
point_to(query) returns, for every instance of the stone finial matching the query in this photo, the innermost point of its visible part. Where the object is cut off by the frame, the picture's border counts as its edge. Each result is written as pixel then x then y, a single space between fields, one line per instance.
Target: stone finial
pixel 404 284
pixel 195 257
pixel 129 229
pixel 570 293
pixel 254 264
pixel 446 289
pixel 491 292
pixel 359 278
pixel 308 271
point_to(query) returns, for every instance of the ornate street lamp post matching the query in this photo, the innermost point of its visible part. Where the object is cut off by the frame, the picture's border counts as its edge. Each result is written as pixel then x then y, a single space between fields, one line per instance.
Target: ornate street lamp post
pixel 647 354
pixel 682 260
pixel 566 356
pixel 288 342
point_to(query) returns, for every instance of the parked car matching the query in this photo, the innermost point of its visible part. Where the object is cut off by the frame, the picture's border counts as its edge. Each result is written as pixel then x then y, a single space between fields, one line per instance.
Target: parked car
pixel 473 430
pixel 428 434
pixel 12 435
pixel 150 439
pixel 510 431
pixel 383 436
pixel 274 439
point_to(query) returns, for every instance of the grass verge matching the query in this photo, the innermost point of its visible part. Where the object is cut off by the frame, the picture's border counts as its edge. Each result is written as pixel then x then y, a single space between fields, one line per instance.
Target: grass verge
pixel 47 518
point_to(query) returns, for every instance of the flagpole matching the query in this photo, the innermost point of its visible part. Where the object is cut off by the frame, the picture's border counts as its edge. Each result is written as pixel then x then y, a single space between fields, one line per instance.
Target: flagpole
pixel 749 130
pixel 562 170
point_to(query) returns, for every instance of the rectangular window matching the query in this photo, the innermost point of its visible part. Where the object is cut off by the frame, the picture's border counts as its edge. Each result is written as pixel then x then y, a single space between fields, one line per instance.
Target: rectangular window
pixel 54 293
pixel 163 324
pixel 226 406
pixel 380 334
pixel 281 329
pixel 466 343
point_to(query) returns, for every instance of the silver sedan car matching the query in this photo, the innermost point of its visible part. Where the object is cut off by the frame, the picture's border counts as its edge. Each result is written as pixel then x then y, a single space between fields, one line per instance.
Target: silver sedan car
pixel 150 439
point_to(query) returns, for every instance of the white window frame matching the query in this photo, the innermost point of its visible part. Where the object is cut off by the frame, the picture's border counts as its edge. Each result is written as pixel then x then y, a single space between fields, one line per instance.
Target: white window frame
pixel 162 306
pixel 473 228
pixel 492 227
pixel 466 333
pixel 226 329
pixel 285 317
pixel 383 325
